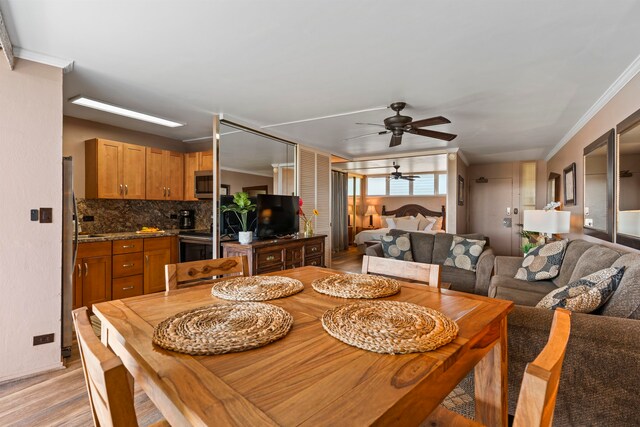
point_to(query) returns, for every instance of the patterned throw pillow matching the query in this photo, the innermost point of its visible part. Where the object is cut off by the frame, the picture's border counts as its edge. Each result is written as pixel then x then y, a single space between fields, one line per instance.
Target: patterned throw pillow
pixel 397 247
pixel 464 253
pixel 543 262
pixel 587 294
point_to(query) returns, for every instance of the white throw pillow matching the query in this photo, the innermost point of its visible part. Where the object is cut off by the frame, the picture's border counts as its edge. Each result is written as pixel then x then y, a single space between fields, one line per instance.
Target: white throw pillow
pixel 384 221
pixel 430 223
pixel 407 224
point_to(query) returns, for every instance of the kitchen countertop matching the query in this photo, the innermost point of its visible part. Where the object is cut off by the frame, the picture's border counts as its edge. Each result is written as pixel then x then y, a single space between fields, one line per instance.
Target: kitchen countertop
pixel 105 237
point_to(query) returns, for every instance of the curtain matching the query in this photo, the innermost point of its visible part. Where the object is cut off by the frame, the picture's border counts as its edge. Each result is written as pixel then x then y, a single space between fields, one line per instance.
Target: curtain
pixel 339 232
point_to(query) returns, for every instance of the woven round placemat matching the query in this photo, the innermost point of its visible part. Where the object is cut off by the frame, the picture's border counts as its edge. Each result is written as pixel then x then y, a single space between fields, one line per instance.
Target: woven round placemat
pixel 223 328
pixel 256 288
pixel 389 326
pixel 356 286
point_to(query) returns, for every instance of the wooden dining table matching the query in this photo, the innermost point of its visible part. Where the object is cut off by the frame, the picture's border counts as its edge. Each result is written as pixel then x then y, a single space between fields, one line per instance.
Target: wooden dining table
pixel 308 377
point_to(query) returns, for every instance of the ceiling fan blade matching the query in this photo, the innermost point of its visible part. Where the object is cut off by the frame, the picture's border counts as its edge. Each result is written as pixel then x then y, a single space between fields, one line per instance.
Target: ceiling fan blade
pixel 412 176
pixel 367 134
pixel 433 134
pixel 407 178
pixel 431 121
pixel 371 124
pixel 395 140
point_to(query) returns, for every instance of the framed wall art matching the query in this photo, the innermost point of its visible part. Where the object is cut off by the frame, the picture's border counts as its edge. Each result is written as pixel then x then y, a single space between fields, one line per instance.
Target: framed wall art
pixel 569 183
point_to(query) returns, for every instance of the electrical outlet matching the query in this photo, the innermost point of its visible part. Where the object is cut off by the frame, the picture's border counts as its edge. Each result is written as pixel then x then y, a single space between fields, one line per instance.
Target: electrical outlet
pixel 43 339
pixel 87 218
pixel 46 215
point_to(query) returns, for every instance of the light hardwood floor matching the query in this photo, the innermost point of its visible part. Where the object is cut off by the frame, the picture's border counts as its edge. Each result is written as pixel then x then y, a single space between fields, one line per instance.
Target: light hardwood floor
pixel 59 398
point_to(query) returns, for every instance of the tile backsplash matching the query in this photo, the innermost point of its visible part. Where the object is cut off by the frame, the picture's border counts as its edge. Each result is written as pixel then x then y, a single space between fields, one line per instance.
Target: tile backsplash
pixel 116 216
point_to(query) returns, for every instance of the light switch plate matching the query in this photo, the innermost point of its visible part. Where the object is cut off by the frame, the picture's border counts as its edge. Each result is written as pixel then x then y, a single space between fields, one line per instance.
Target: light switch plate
pixel 35 214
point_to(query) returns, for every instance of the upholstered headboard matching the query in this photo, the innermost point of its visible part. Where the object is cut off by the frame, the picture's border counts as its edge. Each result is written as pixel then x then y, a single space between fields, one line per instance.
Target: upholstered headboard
pixel 413 210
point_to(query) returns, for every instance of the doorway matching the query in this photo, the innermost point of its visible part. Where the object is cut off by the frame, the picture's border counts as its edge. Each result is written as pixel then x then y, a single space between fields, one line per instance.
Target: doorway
pixel 491 212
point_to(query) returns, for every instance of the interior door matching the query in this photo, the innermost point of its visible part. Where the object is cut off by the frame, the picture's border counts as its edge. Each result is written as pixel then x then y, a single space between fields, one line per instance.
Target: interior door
pixel 488 211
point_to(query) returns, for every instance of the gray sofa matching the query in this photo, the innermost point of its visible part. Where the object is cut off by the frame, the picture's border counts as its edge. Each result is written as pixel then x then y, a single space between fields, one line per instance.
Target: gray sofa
pixel 600 381
pixel 434 248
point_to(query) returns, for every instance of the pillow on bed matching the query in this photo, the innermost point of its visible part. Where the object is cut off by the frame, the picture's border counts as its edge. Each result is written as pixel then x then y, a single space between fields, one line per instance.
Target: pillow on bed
pixel 392 221
pixel 407 224
pixel 438 223
pixel 426 222
pixel 384 221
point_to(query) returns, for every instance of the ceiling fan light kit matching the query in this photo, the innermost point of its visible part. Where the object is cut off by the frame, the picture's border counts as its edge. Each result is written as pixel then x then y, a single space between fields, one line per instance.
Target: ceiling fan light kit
pixel 398 175
pixel 397 125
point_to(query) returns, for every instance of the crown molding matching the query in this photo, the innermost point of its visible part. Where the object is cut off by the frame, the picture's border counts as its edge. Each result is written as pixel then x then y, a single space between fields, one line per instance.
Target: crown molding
pixel 66 65
pixel 624 78
pixel 244 171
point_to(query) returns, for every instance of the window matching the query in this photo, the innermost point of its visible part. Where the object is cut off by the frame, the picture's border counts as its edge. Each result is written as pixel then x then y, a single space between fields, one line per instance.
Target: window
pixel 429 184
pixel 425 185
pixel 376 186
pixel 442 183
pixel 399 187
pixel 354 184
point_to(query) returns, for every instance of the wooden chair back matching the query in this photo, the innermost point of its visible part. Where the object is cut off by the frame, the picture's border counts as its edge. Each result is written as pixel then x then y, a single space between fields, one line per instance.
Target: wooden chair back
pixel 429 273
pixel 109 385
pixel 539 389
pixel 189 273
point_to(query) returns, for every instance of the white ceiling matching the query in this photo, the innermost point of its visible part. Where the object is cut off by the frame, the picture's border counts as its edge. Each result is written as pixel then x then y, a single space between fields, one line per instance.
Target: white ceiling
pixel 512 76
pixel 407 165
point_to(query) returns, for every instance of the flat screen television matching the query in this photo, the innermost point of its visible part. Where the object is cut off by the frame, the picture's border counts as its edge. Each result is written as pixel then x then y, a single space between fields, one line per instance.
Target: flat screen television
pixel 277 215
pixel 229 222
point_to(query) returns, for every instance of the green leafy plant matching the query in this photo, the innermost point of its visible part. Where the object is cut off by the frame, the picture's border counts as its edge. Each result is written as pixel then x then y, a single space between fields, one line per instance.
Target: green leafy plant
pixel 532 240
pixel 241 206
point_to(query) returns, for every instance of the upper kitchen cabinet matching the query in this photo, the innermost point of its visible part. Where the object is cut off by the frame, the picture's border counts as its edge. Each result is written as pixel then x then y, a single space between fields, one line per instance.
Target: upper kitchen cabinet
pixel 164 174
pixel 191 165
pixel 206 161
pixel 114 170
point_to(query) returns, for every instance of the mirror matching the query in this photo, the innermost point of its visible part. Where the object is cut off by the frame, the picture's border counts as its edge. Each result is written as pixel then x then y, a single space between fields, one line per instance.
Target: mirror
pixel 553 187
pixel 628 179
pixel 598 187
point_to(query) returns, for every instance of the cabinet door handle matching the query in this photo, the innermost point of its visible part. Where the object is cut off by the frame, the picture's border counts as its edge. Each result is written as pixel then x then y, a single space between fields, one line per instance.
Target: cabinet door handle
pixel 164 191
pixel 127 288
pixel 128 246
pixel 168 191
pixel 121 189
pixel 314 249
pixel 146 258
pixel 126 189
pixel 79 271
pixel 128 265
pixel 86 269
pixel 270 258
pixel 314 263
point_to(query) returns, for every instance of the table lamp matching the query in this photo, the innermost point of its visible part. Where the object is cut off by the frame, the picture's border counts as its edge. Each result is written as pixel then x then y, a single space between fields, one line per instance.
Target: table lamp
pixel 371 211
pixel 547 222
pixel 349 213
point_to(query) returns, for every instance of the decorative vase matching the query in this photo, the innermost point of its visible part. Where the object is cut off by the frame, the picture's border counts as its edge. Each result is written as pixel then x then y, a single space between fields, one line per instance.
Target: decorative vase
pixel 245 237
pixel 308 229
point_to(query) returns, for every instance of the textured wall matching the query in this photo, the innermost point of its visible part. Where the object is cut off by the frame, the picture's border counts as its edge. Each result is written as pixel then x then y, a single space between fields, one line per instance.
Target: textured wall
pixel 115 216
pixel 30 252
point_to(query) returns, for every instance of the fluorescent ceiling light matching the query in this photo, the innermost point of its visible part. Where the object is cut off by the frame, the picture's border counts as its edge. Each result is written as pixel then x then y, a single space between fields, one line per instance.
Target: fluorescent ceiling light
pixel 114 109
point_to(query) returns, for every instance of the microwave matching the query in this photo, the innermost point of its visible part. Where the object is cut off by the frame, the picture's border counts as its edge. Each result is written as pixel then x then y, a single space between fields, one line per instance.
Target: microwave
pixel 203 184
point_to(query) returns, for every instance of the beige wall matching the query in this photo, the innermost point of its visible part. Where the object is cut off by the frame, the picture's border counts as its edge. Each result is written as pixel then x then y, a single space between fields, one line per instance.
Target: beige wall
pixel 237 180
pixel 30 252
pixel 623 104
pixel 77 131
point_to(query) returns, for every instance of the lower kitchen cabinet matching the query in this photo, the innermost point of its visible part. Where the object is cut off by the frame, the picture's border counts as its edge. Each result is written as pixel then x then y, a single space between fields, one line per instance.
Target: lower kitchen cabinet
pixel 92 281
pixel 121 269
pixel 157 254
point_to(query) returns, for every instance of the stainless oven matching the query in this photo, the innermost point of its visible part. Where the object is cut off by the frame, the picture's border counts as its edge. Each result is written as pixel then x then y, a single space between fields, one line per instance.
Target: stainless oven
pixel 195 245
pixel 203 184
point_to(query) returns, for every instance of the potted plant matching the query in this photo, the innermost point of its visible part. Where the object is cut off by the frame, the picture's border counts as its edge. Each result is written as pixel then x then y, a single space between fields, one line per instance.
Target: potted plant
pixel 241 206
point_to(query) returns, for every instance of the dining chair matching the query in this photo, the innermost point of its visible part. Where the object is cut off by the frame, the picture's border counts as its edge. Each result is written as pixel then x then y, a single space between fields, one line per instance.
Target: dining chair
pixel 109 385
pixel 537 398
pixel 190 273
pixel 429 273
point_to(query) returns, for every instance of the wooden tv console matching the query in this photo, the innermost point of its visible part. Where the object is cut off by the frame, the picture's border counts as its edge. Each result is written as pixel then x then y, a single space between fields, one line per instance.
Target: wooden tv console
pixel 266 256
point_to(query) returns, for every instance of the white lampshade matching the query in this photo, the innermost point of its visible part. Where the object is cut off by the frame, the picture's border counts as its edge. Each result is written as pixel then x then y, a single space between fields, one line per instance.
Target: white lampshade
pixel 629 222
pixel 371 210
pixel 552 221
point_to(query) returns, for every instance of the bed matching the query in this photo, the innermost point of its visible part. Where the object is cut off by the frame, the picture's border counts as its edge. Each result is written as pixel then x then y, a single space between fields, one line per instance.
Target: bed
pixel 374 235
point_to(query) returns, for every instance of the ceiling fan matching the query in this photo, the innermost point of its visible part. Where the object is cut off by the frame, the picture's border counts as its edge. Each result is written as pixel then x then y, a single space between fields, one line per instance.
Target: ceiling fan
pixel 398 175
pixel 397 125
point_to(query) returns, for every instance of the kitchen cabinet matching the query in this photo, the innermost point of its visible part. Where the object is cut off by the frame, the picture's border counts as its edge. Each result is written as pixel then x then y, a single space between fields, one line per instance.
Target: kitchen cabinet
pixel 114 170
pixel 194 162
pixel 164 174
pixel 206 161
pixel 92 278
pixel 157 254
pixel 267 256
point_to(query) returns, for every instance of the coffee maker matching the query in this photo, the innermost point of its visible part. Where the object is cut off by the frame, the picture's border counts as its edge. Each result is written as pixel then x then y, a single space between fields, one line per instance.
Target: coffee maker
pixel 187 219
